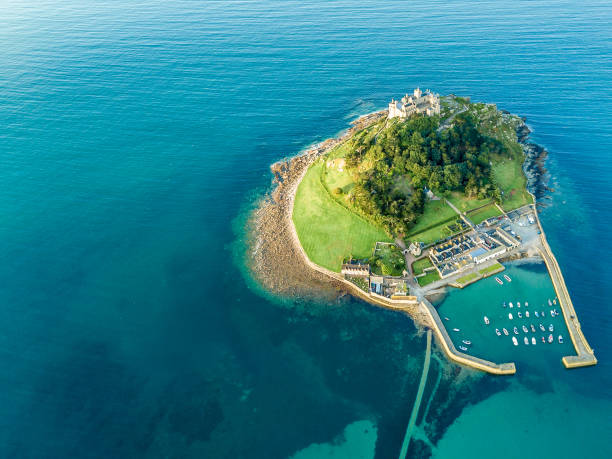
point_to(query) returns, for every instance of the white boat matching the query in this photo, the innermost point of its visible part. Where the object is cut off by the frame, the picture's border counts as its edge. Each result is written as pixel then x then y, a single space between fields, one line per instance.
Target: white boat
pixel 560 339
pixel 518 304
pixel 542 328
pixel 446 318
pixel 549 302
pixel 515 331
pixel 463 348
pixel 505 331
pixel 499 281
pixel 551 328
pixel 532 328
pixel 542 314
pixel 507 278
pixel 467 342
pixel 514 341
pixel 497 332
pixel 510 315
pixel 543 340
pixel 504 305
pixel 526 304
pixel 527 314
pixel 526 341
pixel 520 316
pixel 550 338
pixel 533 341
pixel 486 320
pixel 456 329
pixel 537 314
pixel 525 329
pixel 511 306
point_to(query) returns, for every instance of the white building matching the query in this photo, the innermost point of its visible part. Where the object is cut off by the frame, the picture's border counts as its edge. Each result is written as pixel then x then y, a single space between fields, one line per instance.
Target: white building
pixel 419 102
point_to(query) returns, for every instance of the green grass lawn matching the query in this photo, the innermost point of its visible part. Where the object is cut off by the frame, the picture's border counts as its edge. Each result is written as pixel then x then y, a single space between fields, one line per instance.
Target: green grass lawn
pixel 434 212
pixel 481 215
pixel 467 278
pixel 510 178
pixel 419 266
pixel 428 278
pixel 329 232
pixel 465 204
pixel 490 269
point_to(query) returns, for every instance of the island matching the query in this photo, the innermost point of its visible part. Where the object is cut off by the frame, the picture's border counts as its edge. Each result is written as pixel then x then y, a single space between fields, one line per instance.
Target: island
pixel 431 193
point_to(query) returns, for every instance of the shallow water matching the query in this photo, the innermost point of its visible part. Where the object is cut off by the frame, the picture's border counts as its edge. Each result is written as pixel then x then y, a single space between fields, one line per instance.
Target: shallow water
pixel 133 136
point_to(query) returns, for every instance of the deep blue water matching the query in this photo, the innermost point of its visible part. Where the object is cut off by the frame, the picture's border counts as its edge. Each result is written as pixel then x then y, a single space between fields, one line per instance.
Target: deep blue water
pixel 135 136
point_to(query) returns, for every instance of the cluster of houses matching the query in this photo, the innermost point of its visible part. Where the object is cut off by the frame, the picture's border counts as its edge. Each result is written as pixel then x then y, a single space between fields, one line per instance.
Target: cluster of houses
pixel 465 251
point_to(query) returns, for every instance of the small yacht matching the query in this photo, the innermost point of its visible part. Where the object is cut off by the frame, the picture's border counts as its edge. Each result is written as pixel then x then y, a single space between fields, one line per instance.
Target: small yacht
pixel 446 318
pixel 543 339
pixel 510 315
pixel 456 329
pixel 555 301
pixel 542 328
pixel 525 329
pixel 526 341
pixel 499 281
pixel 549 302
pixel 532 328
pixel 542 313
pixel 514 340
pixel 511 306
pixel 551 328
pixel 526 304
pixel 486 320
pixel 515 331
pixel 497 332
pixel 527 314
pixel 533 341
pixel 550 338
pixel 519 315
pixel 505 331
pixel 537 314
pixel 463 348
pixel 466 342
pixel 507 278
pixel 518 304
pixel 560 339
pixel 504 305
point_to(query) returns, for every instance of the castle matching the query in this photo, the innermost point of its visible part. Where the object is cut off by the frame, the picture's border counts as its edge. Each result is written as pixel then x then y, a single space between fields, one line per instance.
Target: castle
pixel 419 102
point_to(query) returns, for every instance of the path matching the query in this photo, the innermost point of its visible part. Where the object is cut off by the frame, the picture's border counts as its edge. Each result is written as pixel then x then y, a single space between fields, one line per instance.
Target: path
pixel 461 214
pixel 417 401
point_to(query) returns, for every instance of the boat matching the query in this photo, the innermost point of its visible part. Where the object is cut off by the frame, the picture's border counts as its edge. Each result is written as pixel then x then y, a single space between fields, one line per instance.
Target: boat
pixel 504 305
pixel 446 318
pixel 463 348
pixel 560 339
pixel 537 314
pixel 555 301
pixel 526 304
pixel 542 328
pixel 465 341
pixel 507 278
pixel 514 341
pixel 520 316
pixel 527 314
pixel 543 339
pixel 497 332
pixel 525 329
pixel 515 331
pixel 532 328
pixel 499 281
pixel 549 302
pixel 510 315
pixel 486 320
pixel 550 338
pixel 505 331
pixel 551 328
pixel 533 341
pixel 542 313
pixel 511 306
pixel 526 341
pixel 456 329
pixel 518 304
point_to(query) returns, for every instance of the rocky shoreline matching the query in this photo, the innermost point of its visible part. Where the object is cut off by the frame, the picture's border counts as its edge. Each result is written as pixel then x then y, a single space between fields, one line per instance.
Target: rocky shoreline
pixel 533 167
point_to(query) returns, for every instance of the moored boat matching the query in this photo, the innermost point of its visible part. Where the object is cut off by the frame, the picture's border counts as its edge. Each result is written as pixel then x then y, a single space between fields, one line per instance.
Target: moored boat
pixel 514 340
pixel 504 305
pixel 527 314
pixel 533 341
pixel 543 339
pixel 515 331
pixel 542 314
pixel 549 302
pixel 510 315
pixel 537 314
pixel 519 315
pixel 511 305
pixel 465 341
pixel 526 341
pixel 532 328
pixel 499 281
pixel 505 331
pixel 486 320
pixel 507 278
pixel 518 304
pixel 456 329
pixel 497 332
pixel 550 338
pixel 463 348
pixel 551 328
pixel 555 301
pixel 446 318
pixel 526 304
pixel 560 339
pixel 542 328
pixel 525 330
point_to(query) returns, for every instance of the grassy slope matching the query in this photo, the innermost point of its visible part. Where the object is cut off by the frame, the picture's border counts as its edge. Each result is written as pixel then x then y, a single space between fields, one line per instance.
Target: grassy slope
pixel 419 266
pixel 482 214
pixel 328 232
pixel 428 278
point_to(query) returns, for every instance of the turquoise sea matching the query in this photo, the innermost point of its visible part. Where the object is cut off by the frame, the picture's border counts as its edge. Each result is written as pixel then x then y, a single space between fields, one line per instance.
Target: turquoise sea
pixel 135 138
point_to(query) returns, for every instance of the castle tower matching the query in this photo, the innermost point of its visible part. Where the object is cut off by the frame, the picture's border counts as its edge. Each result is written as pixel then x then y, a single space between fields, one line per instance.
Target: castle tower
pixel 418 93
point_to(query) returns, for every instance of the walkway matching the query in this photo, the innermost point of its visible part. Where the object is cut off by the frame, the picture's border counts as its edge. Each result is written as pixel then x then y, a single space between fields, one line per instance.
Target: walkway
pixel 461 214
pixel 417 401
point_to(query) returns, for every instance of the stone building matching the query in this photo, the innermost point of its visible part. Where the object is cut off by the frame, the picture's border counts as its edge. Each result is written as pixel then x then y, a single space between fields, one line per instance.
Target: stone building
pixel 419 102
